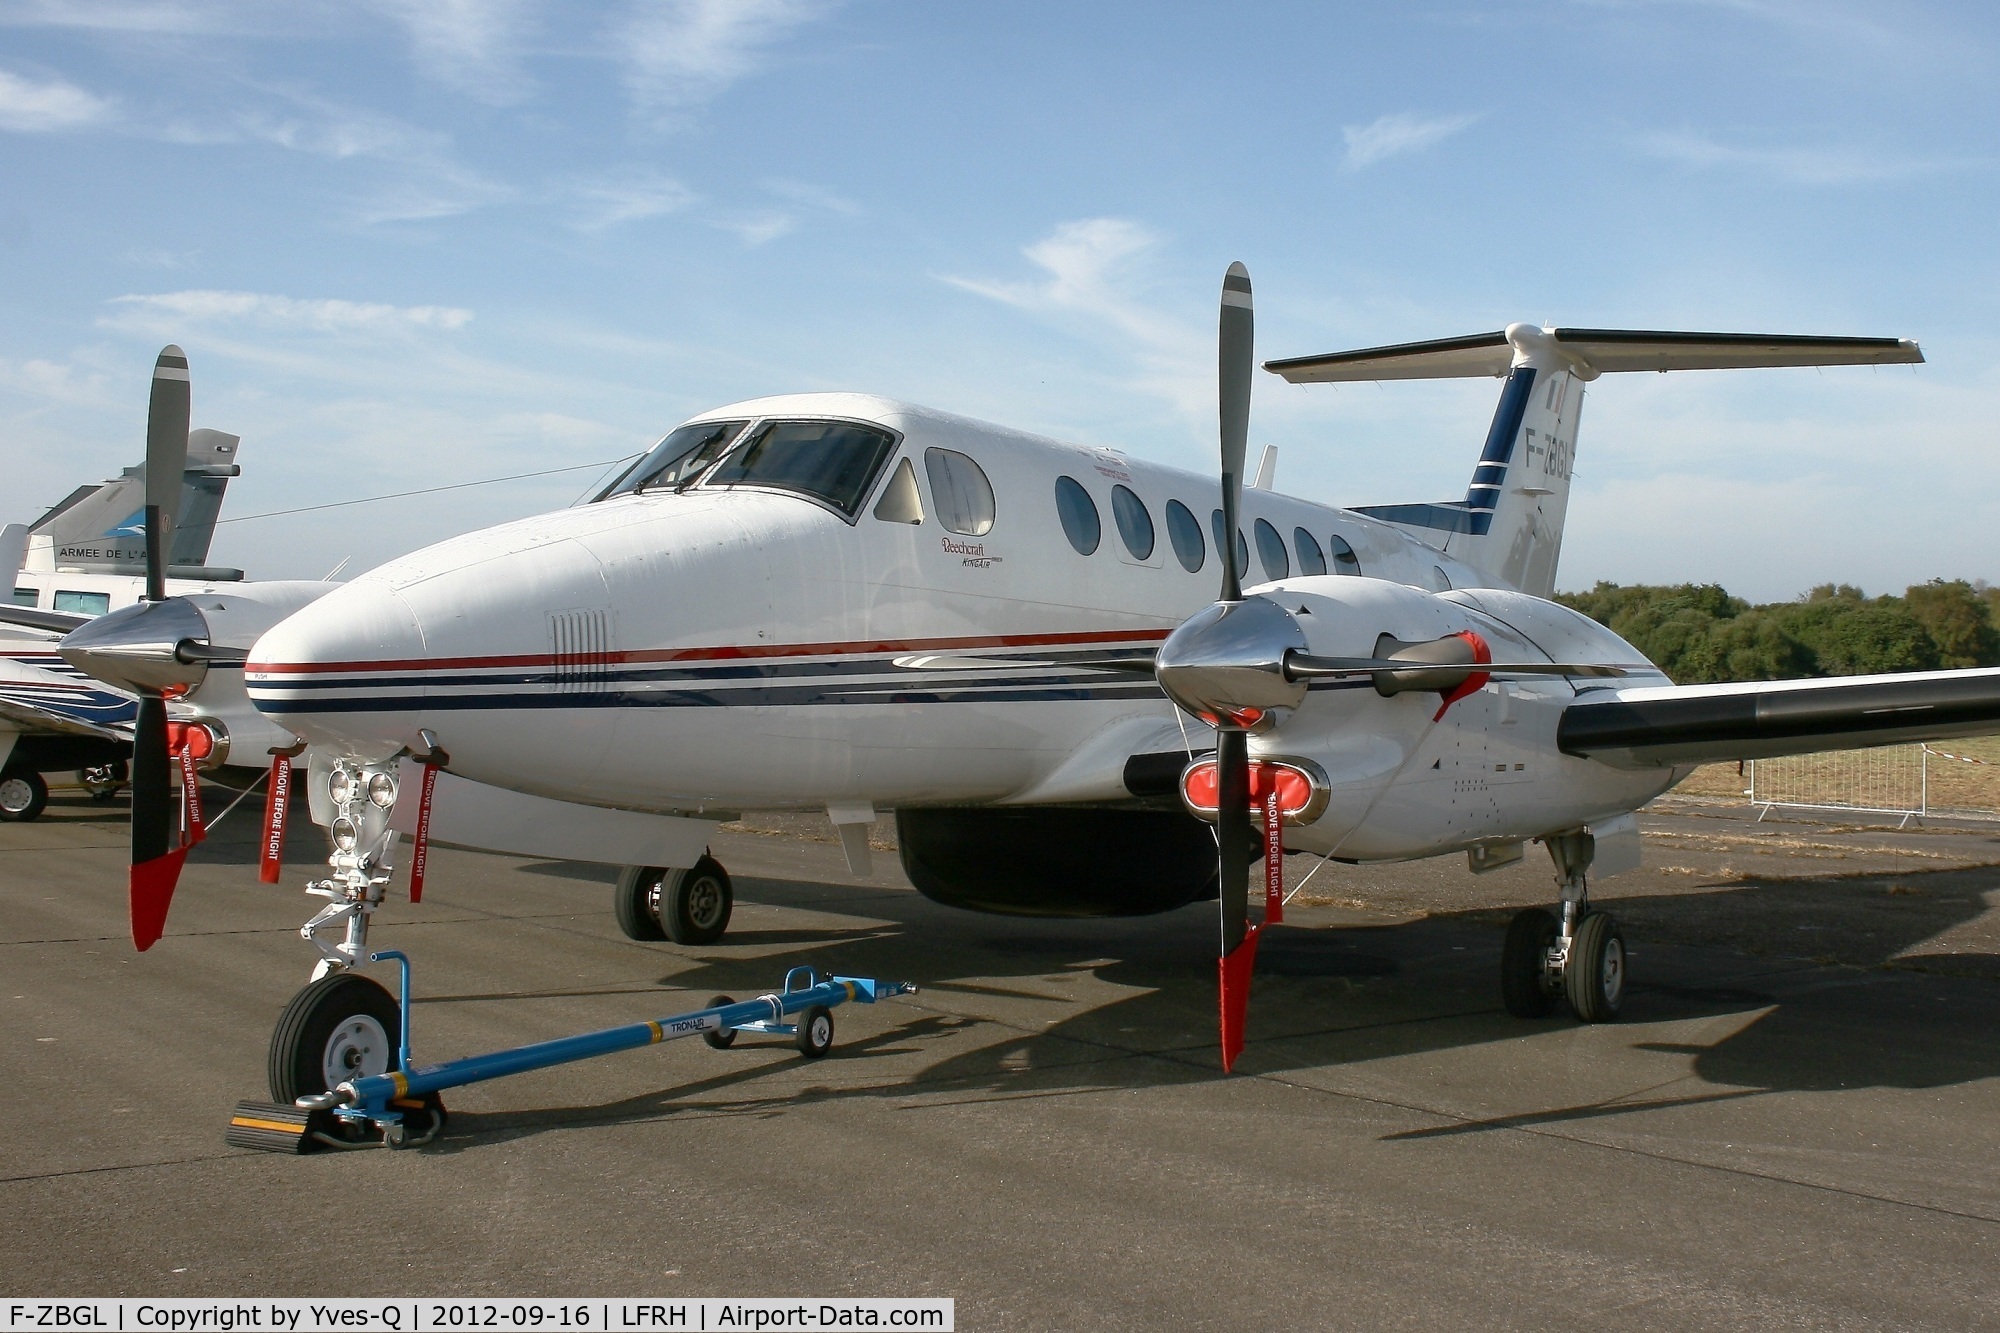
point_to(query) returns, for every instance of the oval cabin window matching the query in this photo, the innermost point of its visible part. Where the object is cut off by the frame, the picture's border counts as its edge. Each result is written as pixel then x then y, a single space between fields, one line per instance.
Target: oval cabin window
pixel 1078 512
pixel 1271 550
pixel 1312 560
pixel 1185 533
pixel 1135 524
pixel 1344 559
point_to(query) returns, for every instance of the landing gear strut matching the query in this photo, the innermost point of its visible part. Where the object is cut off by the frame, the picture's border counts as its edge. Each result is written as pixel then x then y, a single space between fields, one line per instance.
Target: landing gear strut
pixel 1579 956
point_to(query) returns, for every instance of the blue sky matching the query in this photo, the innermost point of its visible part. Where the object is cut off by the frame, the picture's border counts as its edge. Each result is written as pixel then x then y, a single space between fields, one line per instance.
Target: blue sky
pixel 415 242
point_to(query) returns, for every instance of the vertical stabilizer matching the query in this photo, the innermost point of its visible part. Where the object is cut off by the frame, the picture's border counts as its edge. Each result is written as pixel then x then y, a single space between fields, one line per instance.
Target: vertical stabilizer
pixel 99 529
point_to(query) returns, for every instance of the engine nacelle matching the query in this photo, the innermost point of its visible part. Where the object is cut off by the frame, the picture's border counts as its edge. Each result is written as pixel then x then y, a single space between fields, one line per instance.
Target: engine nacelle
pixel 1057 861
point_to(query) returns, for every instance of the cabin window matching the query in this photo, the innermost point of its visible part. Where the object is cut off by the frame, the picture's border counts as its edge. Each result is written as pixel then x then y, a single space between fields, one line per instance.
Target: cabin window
pixel 83 603
pixel 27 596
pixel 1344 559
pixel 830 461
pixel 900 501
pixel 1312 560
pixel 1242 547
pixel 1271 550
pixel 1135 524
pixel 678 459
pixel 959 489
pixel 1185 533
pixel 1078 512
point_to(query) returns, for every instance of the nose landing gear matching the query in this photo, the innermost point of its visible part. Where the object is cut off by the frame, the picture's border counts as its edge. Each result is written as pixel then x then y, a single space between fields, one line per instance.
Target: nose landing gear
pixel 1579 957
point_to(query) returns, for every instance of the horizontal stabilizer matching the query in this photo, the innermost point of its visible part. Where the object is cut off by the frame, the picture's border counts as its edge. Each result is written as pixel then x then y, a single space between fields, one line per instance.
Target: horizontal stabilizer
pixel 1659 727
pixel 1592 352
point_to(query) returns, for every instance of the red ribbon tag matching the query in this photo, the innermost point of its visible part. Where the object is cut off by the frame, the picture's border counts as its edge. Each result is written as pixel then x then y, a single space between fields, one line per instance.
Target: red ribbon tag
pixel 1274 861
pixel 192 829
pixel 421 853
pixel 277 800
pixel 1235 968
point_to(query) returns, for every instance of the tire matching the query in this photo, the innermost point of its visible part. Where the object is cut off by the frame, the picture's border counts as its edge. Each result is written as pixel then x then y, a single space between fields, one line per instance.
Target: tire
pixel 632 902
pixel 815 1032
pixel 337 1028
pixel 694 905
pixel 1529 936
pixel 23 795
pixel 722 1038
pixel 1595 978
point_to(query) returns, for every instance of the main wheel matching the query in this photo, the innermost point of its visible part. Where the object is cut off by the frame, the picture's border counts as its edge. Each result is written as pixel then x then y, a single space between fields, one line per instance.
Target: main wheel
pixel 104 781
pixel 694 905
pixel 815 1032
pixel 634 901
pixel 1522 961
pixel 722 1038
pixel 23 794
pixel 1595 977
pixel 341 1027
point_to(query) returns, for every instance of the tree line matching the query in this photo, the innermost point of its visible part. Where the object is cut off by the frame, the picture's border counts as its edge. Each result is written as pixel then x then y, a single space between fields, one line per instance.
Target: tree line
pixel 1699 634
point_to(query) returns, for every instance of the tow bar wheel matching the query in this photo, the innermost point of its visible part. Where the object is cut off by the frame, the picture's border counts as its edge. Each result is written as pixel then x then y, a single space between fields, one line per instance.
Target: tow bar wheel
pixel 341 1027
pixel 815 1036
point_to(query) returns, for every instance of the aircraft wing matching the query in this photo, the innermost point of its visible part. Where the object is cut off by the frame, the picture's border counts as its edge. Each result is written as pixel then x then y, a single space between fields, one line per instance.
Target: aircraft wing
pixel 1596 351
pixel 1666 726
pixel 34 699
pixel 60 622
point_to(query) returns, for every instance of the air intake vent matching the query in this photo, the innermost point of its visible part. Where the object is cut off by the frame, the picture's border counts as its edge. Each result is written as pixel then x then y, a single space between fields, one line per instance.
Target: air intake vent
pixel 582 644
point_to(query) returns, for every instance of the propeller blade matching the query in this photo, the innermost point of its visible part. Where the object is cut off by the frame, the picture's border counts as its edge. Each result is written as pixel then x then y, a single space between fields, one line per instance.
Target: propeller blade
pixel 156 864
pixel 1234 363
pixel 166 462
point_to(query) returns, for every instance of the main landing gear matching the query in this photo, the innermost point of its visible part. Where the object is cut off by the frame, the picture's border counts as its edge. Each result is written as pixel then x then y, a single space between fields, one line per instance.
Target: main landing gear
pixel 690 906
pixel 23 794
pixel 1579 957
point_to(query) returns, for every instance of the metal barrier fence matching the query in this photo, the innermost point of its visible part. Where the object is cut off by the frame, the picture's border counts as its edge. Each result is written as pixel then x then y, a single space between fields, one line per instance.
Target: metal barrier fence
pixel 1887 780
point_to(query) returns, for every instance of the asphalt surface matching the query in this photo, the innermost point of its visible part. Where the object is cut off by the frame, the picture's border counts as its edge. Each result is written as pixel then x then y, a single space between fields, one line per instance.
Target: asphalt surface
pixel 1797 1123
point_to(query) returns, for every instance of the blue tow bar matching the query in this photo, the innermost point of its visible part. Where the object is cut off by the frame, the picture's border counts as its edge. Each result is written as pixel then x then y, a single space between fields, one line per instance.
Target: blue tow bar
pixel 373 1099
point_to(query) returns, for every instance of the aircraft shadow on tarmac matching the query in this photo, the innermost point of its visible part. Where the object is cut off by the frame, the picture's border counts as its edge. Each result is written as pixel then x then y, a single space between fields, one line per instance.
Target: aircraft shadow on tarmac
pixel 1853 1007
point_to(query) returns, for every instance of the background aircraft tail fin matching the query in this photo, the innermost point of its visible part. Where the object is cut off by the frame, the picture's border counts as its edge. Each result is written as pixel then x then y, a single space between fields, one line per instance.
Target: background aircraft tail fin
pixel 97 528
pixel 1510 523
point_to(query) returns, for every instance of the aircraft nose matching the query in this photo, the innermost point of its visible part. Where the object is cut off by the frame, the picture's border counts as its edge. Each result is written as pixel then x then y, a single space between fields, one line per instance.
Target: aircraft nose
pixel 346 669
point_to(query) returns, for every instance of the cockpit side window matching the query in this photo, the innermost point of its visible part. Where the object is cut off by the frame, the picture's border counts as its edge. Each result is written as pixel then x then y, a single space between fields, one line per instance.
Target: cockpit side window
pixel 834 462
pixel 964 497
pixel 676 460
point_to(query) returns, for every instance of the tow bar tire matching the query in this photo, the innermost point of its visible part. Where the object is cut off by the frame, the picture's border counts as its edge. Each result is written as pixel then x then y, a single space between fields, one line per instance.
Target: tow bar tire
pixel 23 794
pixel 721 1038
pixel 815 1031
pixel 694 905
pixel 1595 977
pixel 340 1027
pixel 632 902
pixel 1522 960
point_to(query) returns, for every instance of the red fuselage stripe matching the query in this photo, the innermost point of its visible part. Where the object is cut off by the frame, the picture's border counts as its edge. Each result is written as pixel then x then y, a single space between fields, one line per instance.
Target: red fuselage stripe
pixel 726 652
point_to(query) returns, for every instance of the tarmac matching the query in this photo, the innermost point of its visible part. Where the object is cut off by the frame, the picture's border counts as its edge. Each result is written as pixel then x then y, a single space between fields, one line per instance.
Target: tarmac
pixel 1795 1124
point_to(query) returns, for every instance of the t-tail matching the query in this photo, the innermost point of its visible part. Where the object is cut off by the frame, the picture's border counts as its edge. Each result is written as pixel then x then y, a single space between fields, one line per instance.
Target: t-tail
pixel 1510 523
pixel 98 528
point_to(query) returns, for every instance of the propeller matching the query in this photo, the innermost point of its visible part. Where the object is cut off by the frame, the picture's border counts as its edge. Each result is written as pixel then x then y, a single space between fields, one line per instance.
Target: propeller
pixel 156 866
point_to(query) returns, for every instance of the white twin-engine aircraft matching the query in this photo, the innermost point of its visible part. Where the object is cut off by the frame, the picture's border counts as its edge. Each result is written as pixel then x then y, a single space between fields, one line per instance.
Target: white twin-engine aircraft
pixel 837 602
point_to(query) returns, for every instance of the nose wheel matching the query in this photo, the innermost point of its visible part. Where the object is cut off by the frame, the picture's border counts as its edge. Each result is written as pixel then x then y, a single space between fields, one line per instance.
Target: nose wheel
pixel 690 906
pixel 340 1027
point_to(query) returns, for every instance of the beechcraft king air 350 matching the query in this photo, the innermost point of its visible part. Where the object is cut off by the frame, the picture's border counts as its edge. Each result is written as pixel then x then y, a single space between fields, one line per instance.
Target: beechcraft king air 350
pixel 836 602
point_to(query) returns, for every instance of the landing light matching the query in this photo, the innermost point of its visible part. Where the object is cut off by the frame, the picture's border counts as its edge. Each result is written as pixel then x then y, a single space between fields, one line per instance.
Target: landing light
pixel 345 834
pixel 382 790
pixel 340 786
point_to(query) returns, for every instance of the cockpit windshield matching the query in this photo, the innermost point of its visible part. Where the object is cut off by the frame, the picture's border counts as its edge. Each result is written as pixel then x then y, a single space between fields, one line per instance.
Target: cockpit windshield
pixel 831 461
pixel 678 459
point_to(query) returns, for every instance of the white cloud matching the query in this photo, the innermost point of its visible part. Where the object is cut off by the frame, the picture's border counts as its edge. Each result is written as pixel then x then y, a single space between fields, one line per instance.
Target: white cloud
pixel 1393 135
pixel 1798 166
pixel 631 197
pixel 33 106
pixel 681 53
pixel 814 196
pixel 760 228
pixel 171 311
pixel 471 45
